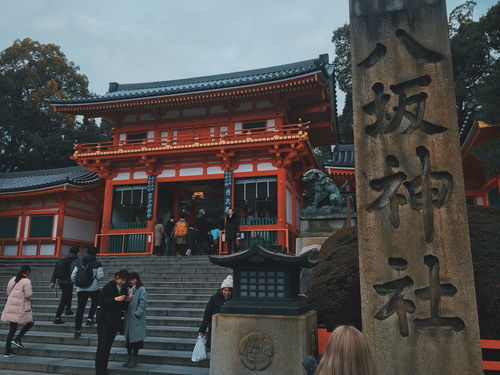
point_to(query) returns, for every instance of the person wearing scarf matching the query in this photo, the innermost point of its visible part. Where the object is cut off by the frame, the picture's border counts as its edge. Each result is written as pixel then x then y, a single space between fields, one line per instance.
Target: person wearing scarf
pixel 17 309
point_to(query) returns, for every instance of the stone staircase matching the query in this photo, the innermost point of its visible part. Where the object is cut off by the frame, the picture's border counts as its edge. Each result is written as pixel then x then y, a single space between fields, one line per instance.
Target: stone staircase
pixel 178 290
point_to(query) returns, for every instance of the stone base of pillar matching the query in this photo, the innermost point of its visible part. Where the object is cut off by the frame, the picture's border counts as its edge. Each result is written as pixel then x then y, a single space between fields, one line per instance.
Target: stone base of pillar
pixel 264 344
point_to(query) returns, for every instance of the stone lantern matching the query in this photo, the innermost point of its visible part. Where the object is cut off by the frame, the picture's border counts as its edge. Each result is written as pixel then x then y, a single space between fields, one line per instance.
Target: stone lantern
pixel 265 282
pixel 267 327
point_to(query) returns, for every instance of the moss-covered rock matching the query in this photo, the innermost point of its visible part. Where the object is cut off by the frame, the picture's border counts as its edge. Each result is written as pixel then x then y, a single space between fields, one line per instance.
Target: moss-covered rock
pixel 334 287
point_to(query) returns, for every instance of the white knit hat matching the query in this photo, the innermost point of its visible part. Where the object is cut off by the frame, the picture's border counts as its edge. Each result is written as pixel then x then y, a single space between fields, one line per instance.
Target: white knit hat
pixel 228 282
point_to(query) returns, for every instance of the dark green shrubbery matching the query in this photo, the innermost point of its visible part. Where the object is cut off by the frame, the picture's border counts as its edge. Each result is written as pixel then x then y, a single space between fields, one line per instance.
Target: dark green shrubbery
pixel 334 287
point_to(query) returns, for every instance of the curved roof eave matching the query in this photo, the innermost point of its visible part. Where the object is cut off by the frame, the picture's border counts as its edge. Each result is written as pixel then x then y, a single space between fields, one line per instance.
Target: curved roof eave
pixel 122 99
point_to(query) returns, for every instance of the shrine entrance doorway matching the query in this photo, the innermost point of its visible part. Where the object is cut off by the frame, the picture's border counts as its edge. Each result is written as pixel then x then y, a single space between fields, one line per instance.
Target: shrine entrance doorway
pixel 184 199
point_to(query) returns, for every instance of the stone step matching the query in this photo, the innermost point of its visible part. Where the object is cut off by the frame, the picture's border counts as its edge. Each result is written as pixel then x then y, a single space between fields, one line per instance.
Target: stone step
pixel 152 331
pixel 173 277
pixel 118 354
pixel 161 318
pixel 13 372
pixel 42 285
pixel 35 301
pixel 178 290
pixel 191 295
pixel 65 338
pixel 49 365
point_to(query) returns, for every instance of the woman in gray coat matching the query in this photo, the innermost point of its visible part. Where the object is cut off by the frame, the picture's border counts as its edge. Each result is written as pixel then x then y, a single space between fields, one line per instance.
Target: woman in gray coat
pixel 135 319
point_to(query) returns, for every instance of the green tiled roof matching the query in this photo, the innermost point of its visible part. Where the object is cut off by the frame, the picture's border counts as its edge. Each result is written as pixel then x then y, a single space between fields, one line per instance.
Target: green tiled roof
pixel 46 178
pixel 221 81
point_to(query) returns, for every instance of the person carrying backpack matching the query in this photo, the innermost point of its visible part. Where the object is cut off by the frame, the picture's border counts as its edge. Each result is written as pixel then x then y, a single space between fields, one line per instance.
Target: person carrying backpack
pixel 86 275
pixel 62 274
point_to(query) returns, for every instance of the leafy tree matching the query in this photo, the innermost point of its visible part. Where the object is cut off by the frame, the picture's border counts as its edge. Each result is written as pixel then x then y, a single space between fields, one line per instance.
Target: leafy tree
pixel 475 47
pixel 342 63
pixel 32 136
pixel 461 15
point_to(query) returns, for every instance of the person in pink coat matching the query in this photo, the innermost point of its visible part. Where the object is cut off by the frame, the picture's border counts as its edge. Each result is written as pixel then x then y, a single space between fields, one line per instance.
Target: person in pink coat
pixel 17 309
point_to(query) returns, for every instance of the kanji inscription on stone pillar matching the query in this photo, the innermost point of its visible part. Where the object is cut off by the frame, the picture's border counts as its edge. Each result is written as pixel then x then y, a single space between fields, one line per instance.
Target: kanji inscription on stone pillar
pixel 419 311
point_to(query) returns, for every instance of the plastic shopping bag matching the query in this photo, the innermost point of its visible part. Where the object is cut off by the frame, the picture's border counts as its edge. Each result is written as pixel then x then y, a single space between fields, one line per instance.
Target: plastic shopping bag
pixel 199 352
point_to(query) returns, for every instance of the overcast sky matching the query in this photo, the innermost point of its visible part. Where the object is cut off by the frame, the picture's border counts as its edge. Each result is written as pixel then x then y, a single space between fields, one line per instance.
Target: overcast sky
pixel 152 40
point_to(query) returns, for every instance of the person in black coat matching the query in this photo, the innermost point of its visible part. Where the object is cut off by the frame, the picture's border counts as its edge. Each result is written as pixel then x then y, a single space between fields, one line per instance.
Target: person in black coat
pixel 169 228
pixel 214 306
pixel 65 283
pixel 113 302
pixel 232 227
pixel 202 229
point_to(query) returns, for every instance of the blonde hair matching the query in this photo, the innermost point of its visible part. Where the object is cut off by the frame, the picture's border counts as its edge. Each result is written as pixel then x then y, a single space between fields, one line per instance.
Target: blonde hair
pixel 346 353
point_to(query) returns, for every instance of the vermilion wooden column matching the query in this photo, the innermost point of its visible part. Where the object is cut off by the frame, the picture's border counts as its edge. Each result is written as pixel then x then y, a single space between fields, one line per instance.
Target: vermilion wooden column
pixel 59 230
pixel 106 214
pixel 281 186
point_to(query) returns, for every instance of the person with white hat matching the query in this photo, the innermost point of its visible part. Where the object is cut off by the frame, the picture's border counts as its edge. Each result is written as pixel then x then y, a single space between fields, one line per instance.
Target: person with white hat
pixel 214 306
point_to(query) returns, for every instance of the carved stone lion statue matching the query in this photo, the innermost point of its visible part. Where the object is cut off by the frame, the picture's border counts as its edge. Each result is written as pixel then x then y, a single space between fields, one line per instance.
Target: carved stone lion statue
pixel 322 190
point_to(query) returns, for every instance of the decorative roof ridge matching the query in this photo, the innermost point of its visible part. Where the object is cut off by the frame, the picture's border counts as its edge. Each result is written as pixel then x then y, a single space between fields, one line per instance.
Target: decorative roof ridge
pixel 320 62
pixel 44 172
pixel 272 74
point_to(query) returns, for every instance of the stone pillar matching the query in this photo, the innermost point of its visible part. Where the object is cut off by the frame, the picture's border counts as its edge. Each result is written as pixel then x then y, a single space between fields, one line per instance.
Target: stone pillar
pixel 244 344
pixel 417 286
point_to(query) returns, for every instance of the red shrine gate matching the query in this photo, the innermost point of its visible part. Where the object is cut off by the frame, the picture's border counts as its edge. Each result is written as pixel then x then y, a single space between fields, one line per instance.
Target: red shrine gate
pixel 241 139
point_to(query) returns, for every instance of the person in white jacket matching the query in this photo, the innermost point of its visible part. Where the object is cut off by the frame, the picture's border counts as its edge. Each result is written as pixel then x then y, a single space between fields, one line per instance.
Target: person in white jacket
pixel 17 309
pixel 86 275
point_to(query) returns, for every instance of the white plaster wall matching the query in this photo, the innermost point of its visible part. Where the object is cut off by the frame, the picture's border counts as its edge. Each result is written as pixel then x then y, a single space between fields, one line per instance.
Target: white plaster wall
pixel 54 226
pixel 27 226
pixel 244 168
pixel 47 249
pixel 191 172
pixel 167 173
pixel 214 170
pixel 140 175
pixel 10 250
pixel 18 232
pixel 266 167
pixel 78 229
pixel 271 124
pixel 122 176
pixel 29 249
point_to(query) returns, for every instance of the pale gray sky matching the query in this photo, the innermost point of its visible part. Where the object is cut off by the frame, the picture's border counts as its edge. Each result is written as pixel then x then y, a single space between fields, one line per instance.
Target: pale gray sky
pixel 152 40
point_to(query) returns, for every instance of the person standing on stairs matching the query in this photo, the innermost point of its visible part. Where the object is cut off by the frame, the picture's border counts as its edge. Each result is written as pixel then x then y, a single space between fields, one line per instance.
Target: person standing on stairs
pixel 159 234
pixel 169 229
pixel 180 235
pixel 135 319
pixel 17 309
pixel 232 227
pixel 86 276
pixel 214 306
pixel 113 302
pixel 62 274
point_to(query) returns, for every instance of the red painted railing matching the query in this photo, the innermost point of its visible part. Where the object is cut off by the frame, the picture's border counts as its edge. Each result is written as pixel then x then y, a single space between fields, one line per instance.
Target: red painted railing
pixel 124 243
pixel 193 137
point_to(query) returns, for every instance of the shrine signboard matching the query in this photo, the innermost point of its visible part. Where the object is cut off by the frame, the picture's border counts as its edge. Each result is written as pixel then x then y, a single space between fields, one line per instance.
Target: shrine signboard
pixel 150 197
pixel 228 186
pixel 417 285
